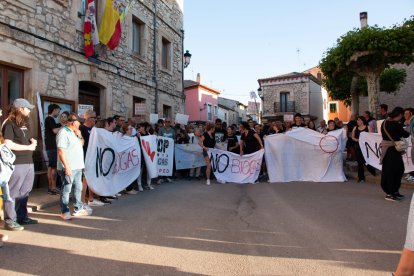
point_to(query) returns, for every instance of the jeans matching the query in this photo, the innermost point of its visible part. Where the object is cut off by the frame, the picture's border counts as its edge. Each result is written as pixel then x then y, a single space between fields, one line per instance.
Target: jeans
pixel 67 181
pixel 21 183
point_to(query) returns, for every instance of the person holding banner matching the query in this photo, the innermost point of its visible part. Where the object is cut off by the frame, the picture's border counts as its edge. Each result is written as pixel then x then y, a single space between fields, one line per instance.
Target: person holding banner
pixel 51 129
pixel 70 164
pixel 142 131
pixel 208 140
pixel 360 127
pixel 250 141
pixel 232 142
pixel 391 159
pixel 166 131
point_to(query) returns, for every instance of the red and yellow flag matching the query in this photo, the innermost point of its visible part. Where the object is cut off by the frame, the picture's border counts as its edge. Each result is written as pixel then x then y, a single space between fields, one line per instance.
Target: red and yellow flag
pixel 110 28
pixel 90 32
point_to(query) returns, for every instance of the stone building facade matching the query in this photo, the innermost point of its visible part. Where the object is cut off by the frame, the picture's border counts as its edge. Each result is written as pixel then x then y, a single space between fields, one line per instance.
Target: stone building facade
pixel 289 94
pixel 41 51
pixel 404 97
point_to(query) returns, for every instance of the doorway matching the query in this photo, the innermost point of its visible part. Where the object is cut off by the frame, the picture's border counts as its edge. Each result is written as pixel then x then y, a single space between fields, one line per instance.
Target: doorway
pixel 89 94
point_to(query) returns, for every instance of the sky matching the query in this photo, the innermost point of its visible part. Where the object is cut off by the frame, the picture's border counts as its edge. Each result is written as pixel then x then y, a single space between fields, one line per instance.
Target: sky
pixel 236 42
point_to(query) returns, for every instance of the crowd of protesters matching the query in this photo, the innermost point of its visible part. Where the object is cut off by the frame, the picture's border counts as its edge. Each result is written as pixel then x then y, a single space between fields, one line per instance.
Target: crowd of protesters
pixel 66 144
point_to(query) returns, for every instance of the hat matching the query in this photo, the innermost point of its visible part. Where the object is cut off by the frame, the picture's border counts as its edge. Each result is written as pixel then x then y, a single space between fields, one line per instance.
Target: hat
pixel 18 103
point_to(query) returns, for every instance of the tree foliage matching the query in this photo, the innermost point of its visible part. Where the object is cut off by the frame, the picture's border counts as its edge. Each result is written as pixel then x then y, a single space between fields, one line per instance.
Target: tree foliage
pixel 366 53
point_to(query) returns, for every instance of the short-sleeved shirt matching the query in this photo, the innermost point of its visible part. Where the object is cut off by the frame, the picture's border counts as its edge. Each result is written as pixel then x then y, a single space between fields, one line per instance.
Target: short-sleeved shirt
pixel 21 136
pixel 50 136
pixel 86 132
pixel 231 142
pixel 209 142
pixel 250 142
pixel 71 145
pixel 170 132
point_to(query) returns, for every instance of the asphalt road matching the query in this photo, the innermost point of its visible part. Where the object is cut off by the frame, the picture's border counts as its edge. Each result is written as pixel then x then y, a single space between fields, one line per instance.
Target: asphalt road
pixel 188 228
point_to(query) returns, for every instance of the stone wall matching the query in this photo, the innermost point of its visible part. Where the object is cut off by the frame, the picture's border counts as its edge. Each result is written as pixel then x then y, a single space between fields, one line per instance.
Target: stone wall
pixel 298 92
pixel 45 39
pixel 404 97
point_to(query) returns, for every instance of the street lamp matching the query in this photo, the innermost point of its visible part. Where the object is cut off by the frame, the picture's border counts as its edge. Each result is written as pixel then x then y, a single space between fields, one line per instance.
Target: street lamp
pixel 253 96
pixel 187 58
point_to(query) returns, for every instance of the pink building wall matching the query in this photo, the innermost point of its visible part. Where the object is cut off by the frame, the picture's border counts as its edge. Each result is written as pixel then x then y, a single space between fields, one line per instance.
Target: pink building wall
pixel 197 99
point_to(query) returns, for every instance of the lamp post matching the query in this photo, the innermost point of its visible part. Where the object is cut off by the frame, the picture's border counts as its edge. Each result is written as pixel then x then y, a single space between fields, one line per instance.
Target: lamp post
pixel 260 93
pixel 253 96
pixel 187 58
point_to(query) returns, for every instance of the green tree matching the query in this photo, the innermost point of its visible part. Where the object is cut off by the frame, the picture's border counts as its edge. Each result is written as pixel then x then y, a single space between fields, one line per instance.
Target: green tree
pixel 366 53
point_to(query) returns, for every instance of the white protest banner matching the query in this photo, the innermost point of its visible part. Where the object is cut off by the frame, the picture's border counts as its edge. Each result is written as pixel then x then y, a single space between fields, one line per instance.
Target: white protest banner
pixel 165 152
pixel 153 118
pixel 149 151
pixel 231 167
pixel 42 125
pixel 112 161
pixel 370 144
pixel 188 156
pixel 181 119
pixel 305 155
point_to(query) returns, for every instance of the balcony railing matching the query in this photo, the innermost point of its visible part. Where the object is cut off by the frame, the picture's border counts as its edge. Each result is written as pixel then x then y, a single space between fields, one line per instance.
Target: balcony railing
pixel 284 107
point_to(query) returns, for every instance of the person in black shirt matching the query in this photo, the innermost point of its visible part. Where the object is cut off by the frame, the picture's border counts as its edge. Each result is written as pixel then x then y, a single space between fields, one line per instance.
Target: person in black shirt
pixel 85 129
pixel 298 121
pixel 232 141
pixel 360 127
pixel 51 129
pixel 220 132
pixel 208 140
pixel 18 138
pixel 391 159
pixel 250 141
pixel 350 143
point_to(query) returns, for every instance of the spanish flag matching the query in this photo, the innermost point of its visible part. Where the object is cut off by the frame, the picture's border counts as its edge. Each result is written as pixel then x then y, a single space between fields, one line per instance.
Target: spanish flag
pixel 110 28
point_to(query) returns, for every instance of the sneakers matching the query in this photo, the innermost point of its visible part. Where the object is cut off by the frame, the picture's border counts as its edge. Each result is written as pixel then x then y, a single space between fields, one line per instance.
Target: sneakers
pixel 169 180
pixel 391 198
pixel 361 181
pixel 150 187
pixel 12 226
pixel 140 188
pixel 53 191
pixel 221 181
pixel 159 181
pixel 66 216
pixel 81 212
pixel 398 195
pixel 208 182
pixel 27 221
pixel 410 178
pixel 132 192
pixel 96 202
pixel 87 208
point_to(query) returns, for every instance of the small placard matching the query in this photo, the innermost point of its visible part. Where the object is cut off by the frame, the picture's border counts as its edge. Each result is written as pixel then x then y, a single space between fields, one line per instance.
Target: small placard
pixel 181 119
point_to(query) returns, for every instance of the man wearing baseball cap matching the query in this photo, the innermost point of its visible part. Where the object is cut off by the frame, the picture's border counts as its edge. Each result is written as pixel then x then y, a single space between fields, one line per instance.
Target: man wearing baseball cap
pixel 18 138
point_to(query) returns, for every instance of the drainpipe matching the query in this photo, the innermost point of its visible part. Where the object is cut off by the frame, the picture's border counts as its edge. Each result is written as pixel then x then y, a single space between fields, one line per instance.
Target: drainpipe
pixel 154 61
pixel 182 68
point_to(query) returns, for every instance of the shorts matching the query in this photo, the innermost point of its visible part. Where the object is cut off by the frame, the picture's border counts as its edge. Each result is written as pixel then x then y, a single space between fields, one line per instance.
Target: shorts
pixel 205 153
pixel 52 156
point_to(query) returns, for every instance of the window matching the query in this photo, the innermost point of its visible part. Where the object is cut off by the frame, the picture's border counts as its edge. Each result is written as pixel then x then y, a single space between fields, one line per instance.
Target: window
pixel 166 54
pixel 209 115
pixel 215 110
pixel 137 36
pixel 284 99
pixel 225 116
pixel 11 86
pixel 166 111
pixel 333 108
pixel 140 108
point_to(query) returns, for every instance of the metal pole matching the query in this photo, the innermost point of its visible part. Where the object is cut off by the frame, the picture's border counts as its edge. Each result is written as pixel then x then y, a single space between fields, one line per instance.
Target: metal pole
pixel 154 62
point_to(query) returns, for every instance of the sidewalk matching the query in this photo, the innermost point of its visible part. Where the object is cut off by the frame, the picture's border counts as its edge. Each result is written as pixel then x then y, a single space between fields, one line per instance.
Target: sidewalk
pixel 351 172
pixel 39 199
